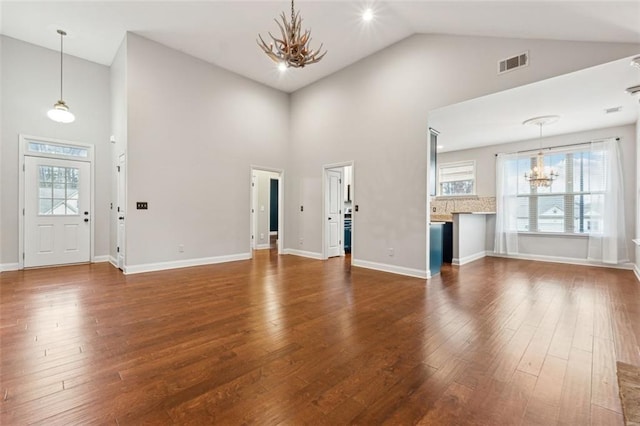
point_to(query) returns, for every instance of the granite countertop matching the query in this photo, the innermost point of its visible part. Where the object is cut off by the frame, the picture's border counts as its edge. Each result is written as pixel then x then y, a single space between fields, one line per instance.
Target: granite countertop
pixel 441 218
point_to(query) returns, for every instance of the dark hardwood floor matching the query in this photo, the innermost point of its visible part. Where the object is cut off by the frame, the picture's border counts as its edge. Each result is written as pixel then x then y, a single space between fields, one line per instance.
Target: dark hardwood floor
pixel 287 340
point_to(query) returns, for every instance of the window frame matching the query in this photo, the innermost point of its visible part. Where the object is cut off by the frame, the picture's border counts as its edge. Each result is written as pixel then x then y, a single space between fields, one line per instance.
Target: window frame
pixel 451 164
pixel 568 197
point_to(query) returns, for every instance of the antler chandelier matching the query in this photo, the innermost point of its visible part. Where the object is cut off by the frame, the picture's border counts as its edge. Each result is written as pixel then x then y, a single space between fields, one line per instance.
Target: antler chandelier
pixel 293 49
pixel 537 176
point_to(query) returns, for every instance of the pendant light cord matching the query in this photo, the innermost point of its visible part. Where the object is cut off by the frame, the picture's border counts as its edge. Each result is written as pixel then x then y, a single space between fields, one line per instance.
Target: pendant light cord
pixel 61 59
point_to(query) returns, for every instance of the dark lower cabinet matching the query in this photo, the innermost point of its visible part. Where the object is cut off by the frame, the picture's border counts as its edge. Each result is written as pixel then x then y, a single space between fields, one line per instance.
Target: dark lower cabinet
pixel 347 235
pixel 447 242
pixel 435 247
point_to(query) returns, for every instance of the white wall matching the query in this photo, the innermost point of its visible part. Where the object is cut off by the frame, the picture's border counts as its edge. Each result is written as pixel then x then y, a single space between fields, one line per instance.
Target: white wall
pixel 30 87
pixel 554 246
pixel 194 130
pixel 638 197
pixel 375 112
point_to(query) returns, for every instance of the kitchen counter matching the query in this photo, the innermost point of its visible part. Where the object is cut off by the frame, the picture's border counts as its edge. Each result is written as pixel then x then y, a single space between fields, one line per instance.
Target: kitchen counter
pixel 469 236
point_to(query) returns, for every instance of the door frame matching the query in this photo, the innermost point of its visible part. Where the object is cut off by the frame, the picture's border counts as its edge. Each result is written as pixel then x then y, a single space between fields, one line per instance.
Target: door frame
pixel 323 206
pixel 253 202
pixel 121 195
pixel 22 152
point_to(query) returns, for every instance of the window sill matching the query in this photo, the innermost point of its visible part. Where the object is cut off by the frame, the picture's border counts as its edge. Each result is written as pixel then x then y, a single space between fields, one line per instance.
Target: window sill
pixel 553 234
pixel 457 197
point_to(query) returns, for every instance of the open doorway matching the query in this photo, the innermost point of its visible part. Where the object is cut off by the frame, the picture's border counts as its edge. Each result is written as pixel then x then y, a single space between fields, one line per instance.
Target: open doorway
pixel 266 209
pixel 337 207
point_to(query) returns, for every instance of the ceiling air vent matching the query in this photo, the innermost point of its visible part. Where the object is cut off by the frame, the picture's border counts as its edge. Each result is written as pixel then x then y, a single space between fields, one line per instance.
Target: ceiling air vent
pixel 514 62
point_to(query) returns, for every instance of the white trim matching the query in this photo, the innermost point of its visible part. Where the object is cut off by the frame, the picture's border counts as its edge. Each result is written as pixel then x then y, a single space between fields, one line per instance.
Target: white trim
pixel 636 270
pixel 555 259
pixel 100 259
pixel 468 259
pixel 161 266
pixel 263 247
pixel 113 261
pixel 302 253
pixel 21 162
pixel 400 270
pixel 9 267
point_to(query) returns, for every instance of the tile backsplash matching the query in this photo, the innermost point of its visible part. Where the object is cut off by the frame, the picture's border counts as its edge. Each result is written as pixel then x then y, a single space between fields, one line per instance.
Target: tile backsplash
pixel 447 205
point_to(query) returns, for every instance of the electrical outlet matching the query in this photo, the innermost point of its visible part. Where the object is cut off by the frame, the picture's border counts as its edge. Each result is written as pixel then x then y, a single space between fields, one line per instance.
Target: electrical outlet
pixel 433 209
pixel 181 248
pixel 142 205
pixel 390 251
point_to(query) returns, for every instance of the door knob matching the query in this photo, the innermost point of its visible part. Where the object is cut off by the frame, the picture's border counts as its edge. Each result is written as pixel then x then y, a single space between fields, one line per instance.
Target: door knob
pixel 86 219
pixel 86 213
pixel 329 218
pixel 121 218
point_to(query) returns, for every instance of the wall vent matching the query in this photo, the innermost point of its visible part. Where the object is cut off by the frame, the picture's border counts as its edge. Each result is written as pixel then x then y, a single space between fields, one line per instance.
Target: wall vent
pixel 514 62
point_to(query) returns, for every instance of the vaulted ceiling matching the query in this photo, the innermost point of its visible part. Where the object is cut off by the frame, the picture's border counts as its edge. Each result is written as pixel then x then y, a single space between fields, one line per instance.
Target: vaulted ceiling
pixel 224 32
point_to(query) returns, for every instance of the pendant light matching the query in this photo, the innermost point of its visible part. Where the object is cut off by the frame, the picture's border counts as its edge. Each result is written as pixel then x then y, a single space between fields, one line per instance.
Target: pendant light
pixel 60 111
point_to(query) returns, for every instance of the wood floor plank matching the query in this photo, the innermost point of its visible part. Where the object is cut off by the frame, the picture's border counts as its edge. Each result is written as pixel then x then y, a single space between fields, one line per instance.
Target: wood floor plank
pixel 288 340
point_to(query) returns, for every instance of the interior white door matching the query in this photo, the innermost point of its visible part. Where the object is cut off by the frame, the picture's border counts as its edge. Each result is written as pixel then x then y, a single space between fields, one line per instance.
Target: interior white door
pixel 333 207
pixel 57 228
pixel 121 210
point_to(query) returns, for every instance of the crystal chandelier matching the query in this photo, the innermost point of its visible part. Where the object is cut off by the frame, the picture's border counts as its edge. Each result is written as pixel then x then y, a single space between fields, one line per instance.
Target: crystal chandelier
pixel 293 49
pixel 538 177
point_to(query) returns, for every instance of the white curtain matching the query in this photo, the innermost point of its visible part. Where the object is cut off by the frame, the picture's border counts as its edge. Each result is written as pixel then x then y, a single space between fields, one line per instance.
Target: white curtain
pixel 607 244
pixel 506 238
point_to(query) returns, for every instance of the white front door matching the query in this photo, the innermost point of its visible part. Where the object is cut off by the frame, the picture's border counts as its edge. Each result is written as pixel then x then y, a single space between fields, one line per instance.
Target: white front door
pixel 333 212
pixel 57 228
pixel 121 210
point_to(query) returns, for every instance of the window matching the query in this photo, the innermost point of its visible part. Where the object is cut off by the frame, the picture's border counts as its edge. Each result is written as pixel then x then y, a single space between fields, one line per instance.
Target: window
pixel 62 150
pixel 574 201
pixel 57 190
pixel 457 178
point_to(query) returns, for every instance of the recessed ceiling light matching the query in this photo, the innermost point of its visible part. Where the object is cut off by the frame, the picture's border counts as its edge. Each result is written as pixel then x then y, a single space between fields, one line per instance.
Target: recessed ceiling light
pixel 282 67
pixel 367 15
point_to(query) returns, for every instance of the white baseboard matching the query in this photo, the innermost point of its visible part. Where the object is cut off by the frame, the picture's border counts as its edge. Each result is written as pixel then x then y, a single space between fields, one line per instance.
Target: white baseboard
pixel 113 261
pixel 400 270
pixel 636 270
pixel 567 260
pixel 9 267
pixel 100 259
pixel 302 253
pixel 468 259
pixel 263 247
pixel 150 267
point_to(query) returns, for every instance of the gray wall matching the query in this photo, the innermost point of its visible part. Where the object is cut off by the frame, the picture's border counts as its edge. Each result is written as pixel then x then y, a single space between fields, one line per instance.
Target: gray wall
pixel 30 87
pixel 573 247
pixel 375 112
pixel 194 130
